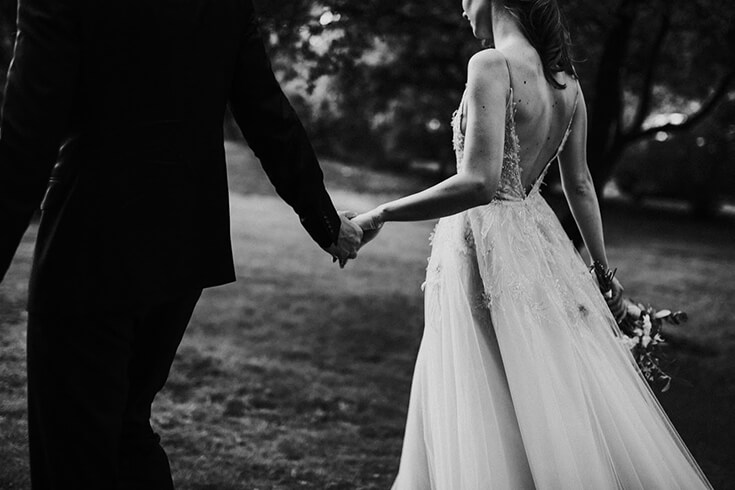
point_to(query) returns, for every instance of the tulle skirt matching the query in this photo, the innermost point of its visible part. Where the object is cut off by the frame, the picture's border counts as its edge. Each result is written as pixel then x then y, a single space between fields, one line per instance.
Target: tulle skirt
pixel 521 379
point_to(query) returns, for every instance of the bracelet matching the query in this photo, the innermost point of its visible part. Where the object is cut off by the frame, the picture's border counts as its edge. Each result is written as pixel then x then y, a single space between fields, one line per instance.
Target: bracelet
pixel 603 273
pixel 597 265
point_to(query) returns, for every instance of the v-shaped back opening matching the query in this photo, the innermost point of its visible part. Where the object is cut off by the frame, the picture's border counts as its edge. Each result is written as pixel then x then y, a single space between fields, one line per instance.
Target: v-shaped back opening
pixel 527 191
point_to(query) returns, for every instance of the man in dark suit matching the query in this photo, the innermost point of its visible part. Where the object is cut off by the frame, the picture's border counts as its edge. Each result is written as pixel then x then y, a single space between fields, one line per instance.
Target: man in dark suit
pixel 112 124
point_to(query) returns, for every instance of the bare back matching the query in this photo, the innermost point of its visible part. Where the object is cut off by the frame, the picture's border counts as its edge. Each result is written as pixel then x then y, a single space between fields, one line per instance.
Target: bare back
pixel 543 114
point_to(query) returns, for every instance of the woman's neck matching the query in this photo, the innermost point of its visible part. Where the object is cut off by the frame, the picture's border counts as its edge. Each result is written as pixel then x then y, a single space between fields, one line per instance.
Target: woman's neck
pixel 507 29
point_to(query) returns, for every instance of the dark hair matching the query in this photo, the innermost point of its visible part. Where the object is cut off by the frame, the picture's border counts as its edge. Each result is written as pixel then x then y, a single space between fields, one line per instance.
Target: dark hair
pixel 545 27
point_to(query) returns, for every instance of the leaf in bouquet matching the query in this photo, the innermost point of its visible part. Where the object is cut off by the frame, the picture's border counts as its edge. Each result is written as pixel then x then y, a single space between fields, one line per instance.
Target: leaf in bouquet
pixel 662 314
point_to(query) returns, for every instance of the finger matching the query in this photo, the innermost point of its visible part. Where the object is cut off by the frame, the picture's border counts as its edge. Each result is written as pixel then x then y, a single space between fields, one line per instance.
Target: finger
pixel 358 228
pixel 622 313
pixel 621 303
pixel 348 214
pixel 615 310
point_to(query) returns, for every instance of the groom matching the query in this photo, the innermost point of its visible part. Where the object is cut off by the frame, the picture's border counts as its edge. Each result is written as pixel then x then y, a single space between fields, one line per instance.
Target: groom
pixel 112 125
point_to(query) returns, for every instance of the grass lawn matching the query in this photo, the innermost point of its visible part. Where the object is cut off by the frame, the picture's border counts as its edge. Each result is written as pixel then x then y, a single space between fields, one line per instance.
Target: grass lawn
pixel 298 375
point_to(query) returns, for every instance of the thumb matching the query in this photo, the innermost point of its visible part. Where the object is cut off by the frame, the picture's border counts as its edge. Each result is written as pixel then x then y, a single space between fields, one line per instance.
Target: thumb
pixel 348 214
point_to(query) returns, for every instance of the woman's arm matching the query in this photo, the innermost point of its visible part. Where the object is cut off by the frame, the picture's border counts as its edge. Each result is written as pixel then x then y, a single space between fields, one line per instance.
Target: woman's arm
pixel 477 181
pixel 579 188
pixel 582 198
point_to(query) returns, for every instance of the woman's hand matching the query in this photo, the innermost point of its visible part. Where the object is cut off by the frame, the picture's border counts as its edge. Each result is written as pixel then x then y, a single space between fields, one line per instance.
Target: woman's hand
pixel 371 223
pixel 615 302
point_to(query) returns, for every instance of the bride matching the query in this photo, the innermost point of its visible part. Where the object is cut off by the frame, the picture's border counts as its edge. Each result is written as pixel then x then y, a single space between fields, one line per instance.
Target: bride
pixel 521 379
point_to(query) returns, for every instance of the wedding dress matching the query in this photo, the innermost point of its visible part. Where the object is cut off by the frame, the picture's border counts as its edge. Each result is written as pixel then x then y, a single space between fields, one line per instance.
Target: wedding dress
pixel 521 379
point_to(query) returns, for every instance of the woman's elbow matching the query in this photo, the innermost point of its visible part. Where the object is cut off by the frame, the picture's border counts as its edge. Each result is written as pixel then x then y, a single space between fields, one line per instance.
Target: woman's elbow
pixel 483 191
pixel 583 187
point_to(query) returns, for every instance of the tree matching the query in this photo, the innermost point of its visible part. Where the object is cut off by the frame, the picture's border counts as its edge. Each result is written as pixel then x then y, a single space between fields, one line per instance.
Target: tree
pixel 636 58
pixel 654 50
pixel 7 35
pixel 391 73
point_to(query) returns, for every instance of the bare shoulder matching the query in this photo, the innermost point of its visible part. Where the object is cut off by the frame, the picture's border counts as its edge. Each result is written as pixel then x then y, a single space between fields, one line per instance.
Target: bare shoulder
pixel 487 62
pixel 489 70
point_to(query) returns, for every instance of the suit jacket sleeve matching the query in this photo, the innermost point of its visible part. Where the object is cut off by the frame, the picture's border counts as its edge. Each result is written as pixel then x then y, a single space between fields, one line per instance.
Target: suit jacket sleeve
pixel 276 136
pixel 40 85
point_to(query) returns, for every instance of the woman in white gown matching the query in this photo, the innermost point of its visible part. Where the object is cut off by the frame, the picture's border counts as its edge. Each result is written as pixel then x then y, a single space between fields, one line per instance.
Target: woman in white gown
pixel 521 379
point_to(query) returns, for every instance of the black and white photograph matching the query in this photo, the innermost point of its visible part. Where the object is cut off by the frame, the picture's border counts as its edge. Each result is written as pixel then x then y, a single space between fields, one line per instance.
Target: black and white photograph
pixel 367 245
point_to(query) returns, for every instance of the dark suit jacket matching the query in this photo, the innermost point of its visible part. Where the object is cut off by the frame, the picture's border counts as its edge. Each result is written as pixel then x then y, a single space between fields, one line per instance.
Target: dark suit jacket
pixel 112 123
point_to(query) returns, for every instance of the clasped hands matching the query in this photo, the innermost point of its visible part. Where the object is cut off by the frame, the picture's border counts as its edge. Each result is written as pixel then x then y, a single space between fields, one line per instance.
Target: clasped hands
pixel 355 231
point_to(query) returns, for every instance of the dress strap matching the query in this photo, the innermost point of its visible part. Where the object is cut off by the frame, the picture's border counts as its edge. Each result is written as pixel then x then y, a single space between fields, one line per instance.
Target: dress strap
pixel 571 121
pixel 510 72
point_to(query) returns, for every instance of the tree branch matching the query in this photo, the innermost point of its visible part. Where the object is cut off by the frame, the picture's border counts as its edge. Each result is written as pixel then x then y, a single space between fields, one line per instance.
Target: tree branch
pixel 644 106
pixel 692 119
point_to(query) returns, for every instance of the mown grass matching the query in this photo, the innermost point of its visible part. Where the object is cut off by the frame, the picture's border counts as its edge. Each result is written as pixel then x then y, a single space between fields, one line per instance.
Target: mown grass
pixel 298 375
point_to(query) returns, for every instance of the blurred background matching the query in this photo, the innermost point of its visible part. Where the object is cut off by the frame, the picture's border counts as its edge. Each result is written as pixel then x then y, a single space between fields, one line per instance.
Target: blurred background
pixel 298 375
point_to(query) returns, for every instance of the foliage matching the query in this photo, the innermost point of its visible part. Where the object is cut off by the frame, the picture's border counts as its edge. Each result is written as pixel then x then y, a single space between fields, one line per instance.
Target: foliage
pixel 398 69
pixel 7 33
pixel 695 166
pixel 378 80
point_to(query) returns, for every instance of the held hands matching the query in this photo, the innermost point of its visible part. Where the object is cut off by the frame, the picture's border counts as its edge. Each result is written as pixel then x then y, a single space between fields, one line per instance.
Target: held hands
pixel 349 240
pixel 370 223
pixel 356 231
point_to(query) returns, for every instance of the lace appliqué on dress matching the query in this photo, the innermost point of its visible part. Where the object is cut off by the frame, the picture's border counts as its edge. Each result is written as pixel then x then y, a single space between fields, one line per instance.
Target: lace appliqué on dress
pixel 509 187
pixel 526 222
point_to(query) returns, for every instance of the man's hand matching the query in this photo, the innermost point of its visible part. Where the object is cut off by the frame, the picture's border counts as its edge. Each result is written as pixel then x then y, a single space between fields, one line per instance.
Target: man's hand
pixel 350 238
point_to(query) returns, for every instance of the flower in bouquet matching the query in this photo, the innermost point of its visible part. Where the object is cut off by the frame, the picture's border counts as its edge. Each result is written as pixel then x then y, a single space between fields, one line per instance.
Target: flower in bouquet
pixel 642 329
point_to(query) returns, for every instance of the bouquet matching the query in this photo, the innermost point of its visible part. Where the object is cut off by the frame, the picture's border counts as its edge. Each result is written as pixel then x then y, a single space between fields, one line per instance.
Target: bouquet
pixel 642 329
